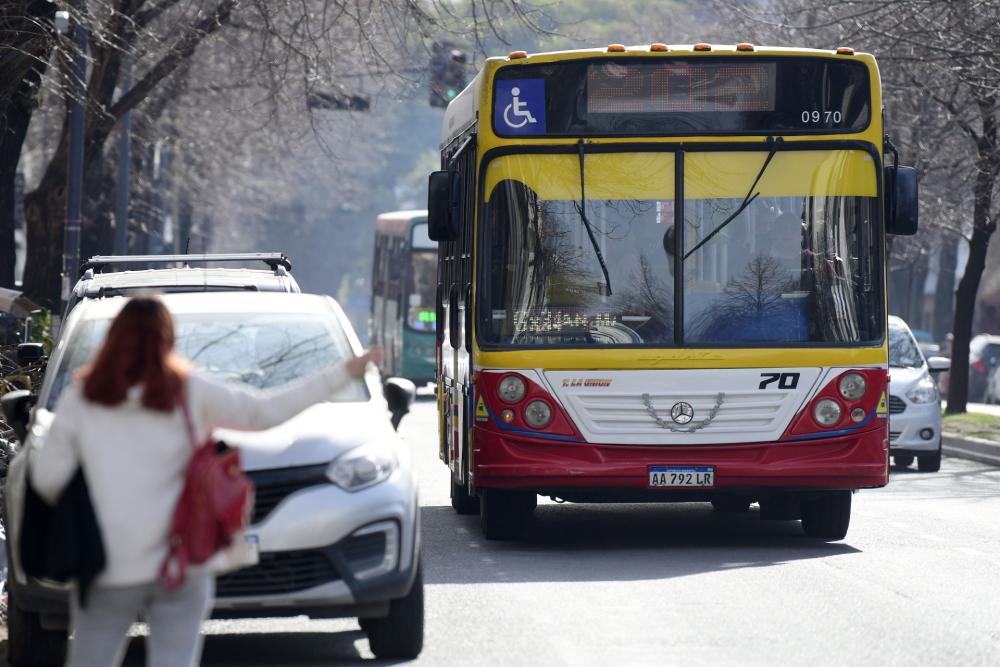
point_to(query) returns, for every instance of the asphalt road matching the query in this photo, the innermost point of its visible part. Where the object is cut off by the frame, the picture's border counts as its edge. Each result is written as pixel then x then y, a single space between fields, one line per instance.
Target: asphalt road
pixel 916 581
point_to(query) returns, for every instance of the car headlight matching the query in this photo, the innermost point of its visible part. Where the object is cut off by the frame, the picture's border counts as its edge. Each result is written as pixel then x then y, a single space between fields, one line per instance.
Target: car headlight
pixel 361 467
pixel 923 392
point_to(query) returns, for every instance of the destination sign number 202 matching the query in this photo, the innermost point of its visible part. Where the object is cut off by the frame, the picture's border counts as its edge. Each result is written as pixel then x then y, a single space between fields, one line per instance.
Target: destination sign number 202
pixel 811 117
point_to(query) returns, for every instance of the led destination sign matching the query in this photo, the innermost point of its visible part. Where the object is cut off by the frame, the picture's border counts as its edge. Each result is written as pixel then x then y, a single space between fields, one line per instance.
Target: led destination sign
pixel 663 96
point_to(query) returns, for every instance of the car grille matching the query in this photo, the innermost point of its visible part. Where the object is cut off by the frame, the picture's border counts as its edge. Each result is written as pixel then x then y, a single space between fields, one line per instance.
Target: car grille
pixel 277 573
pixel 894 435
pixel 273 486
pixel 896 405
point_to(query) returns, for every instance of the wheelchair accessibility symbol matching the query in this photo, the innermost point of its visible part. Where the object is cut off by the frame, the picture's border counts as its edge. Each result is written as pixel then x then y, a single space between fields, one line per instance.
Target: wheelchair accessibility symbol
pixel 520 107
pixel 517 109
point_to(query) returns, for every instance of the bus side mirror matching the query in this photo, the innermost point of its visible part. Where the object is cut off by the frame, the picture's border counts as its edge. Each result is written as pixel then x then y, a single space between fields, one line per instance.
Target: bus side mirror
pixel 442 206
pixel 901 200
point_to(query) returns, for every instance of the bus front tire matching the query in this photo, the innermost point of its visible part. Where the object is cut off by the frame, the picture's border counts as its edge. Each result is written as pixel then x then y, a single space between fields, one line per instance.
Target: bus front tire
pixel 827 516
pixel 462 501
pixel 731 504
pixel 503 513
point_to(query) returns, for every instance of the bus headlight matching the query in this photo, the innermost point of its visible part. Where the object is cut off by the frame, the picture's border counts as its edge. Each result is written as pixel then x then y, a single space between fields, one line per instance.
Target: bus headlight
pixel 361 467
pixel 827 412
pixel 852 386
pixel 512 389
pixel 537 414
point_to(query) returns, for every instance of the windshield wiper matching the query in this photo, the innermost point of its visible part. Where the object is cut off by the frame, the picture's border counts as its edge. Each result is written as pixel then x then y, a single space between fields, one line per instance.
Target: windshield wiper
pixel 747 200
pixel 581 211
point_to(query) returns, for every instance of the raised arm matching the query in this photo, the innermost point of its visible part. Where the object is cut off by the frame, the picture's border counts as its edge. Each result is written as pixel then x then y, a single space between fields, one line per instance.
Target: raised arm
pixel 239 406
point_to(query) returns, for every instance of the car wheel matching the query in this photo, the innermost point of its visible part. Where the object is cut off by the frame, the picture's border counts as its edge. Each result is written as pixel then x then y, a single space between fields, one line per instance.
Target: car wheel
pixel 400 635
pixel 503 513
pixel 28 643
pixel 462 501
pixel 731 504
pixel 828 516
pixel 929 463
pixel 902 461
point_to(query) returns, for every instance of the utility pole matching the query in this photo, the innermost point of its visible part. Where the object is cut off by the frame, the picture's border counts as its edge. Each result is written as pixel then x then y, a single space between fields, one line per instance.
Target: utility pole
pixel 124 166
pixel 74 176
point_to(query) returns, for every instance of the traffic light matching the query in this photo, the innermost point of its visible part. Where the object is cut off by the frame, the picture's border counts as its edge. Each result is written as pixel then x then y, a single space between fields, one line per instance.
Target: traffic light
pixel 447 73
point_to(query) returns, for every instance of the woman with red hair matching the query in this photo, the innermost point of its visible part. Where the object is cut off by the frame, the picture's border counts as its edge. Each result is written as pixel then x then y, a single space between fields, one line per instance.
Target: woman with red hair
pixel 121 423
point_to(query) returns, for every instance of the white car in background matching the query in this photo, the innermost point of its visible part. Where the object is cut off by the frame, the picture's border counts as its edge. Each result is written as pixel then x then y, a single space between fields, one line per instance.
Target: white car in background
pixel 914 401
pixel 336 519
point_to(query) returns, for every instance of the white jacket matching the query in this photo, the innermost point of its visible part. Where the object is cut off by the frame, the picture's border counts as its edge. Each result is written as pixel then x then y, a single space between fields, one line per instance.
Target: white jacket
pixel 134 459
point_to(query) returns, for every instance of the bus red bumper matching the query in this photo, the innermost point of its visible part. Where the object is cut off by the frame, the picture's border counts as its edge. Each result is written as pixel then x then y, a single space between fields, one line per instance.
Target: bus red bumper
pixel 848 462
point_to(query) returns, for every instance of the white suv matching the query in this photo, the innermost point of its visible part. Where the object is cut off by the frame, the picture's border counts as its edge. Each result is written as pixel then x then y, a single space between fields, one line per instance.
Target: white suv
pixel 914 401
pixel 336 517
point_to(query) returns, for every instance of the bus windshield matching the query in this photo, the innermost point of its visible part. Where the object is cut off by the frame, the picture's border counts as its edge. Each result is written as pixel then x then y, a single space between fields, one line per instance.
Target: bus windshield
pixel 798 265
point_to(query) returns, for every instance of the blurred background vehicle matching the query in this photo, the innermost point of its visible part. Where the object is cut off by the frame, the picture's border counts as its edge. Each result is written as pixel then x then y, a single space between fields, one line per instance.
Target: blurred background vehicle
pixel 992 392
pixel 335 521
pixel 404 290
pixel 914 401
pixel 984 357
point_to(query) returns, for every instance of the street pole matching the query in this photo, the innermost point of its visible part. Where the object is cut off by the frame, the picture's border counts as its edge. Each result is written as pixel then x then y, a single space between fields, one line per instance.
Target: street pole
pixel 74 176
pixel 124 166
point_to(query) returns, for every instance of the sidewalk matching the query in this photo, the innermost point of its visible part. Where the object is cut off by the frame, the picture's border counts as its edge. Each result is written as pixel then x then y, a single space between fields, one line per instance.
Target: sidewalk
pixel 975 449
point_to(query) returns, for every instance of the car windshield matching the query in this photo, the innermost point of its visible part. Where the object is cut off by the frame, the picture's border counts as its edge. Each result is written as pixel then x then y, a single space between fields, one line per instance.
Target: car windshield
pixel 903 350
pixel 263 350
pixel 797 264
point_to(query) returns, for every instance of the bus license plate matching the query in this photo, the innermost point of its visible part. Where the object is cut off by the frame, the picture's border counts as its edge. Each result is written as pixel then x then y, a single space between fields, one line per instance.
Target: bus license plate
pixel 674 476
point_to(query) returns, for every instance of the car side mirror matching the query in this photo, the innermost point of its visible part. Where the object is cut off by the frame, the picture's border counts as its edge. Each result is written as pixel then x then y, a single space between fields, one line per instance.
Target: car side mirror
pixel 30 353
pixel 938 364
pixel 443 209
pixel 399 395
pixel 901 197
pixel 16 406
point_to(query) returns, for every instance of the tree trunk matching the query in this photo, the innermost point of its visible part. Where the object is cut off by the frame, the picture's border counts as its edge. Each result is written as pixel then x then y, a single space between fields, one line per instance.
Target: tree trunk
pixel 44 212
pixel 18 118
pixel 968 286
pixel 944 292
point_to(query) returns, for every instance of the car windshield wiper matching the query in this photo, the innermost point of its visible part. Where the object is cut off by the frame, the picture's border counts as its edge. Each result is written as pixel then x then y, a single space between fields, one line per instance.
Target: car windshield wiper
pixel 581 210
pixel 747 200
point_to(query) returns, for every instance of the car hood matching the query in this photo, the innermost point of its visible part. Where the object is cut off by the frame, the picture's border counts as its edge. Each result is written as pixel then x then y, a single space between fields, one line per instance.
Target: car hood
pixel 317 435
pixel 901 379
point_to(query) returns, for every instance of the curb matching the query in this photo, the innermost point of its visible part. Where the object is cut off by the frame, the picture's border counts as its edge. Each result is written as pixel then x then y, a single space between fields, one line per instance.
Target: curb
pixel 973 449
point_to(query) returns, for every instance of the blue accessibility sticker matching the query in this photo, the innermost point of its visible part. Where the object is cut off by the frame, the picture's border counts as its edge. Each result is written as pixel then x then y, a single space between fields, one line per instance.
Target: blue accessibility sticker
pixel 519 107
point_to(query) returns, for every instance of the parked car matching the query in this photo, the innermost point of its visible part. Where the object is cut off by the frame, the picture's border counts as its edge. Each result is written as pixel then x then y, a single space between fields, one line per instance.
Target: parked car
pixel 336 516
pixel 984 357
pixel 914 401
pixel 94 283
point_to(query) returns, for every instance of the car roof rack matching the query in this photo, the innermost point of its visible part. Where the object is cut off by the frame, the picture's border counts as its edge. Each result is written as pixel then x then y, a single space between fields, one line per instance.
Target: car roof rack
pixel 274 260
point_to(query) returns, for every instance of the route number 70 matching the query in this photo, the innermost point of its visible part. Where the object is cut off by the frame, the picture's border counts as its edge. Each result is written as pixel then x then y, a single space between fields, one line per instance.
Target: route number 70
pixel 784 380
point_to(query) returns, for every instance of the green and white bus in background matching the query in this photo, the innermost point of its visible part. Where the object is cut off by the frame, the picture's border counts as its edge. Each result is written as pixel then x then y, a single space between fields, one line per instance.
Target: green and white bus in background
pixel 404 279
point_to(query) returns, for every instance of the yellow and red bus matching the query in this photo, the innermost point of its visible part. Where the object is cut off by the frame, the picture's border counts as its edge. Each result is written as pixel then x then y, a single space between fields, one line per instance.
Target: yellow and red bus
pixel 661 277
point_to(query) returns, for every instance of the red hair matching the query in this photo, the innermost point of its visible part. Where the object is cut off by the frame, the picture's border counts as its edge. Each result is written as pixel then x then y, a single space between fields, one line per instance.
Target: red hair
pixel 137 350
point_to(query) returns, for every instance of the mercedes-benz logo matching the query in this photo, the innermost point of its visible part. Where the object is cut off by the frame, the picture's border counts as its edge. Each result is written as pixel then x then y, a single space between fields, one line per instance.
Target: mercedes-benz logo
pixel 682 413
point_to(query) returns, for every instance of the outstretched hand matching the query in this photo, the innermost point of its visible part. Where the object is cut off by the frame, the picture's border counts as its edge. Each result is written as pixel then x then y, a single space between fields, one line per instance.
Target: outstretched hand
pixel 356 366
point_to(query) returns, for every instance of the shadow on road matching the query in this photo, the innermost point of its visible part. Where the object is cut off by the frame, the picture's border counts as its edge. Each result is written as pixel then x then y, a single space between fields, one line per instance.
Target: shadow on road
pixel 612 543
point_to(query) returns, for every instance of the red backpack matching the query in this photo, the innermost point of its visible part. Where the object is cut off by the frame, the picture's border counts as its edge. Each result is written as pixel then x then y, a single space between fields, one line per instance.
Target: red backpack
pixel 215 505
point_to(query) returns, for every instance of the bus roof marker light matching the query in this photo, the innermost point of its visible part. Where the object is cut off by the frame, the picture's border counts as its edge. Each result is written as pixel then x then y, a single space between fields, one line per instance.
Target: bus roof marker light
pixel 845 51
pixel 616 48
pixel 702 46
pixel 515 55
pixel 659 47
pixel 744 46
